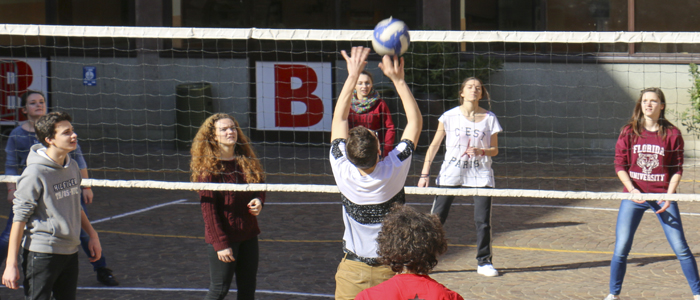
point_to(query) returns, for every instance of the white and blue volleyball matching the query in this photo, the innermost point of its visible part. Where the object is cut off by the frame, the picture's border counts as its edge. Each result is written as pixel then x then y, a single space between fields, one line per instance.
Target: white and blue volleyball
pixel 390 37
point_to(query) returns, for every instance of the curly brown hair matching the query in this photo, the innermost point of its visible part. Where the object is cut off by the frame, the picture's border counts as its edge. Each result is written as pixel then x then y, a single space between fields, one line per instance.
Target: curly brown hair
pixel 411 240
pixel 205 153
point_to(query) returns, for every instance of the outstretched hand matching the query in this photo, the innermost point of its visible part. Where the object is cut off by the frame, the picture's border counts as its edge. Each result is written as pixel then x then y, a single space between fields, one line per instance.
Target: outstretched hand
pixel 392 68
pixel 357 60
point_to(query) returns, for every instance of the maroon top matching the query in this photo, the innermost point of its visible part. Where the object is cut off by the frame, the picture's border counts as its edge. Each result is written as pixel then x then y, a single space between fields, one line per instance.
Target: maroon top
pixel 377 119
pixel 649 160
pixel 226 216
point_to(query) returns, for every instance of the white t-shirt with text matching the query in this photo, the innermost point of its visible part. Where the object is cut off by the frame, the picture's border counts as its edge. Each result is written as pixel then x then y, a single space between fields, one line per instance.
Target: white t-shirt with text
pixel 459 169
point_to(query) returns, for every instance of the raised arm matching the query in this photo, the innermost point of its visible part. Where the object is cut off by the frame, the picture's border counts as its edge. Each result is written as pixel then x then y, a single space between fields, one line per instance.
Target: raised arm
pixel 356 63
pixel 394 70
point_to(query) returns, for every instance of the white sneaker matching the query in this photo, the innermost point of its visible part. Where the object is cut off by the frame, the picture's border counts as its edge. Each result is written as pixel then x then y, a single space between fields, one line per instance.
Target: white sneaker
pixel 487 270
pixel 612 297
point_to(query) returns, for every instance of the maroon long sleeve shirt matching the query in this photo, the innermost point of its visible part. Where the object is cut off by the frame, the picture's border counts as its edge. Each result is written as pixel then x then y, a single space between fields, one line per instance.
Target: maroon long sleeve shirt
pixel 226 215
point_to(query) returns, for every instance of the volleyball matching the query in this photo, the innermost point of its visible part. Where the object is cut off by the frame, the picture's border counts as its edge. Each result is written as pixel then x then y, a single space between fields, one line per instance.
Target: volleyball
pixel 390 37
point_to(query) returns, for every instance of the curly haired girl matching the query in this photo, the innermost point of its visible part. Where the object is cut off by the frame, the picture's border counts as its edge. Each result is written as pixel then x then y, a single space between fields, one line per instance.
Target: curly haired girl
pixel 221 153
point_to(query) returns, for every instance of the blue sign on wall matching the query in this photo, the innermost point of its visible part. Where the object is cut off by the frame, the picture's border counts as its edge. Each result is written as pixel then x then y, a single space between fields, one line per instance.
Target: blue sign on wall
pixel 89 76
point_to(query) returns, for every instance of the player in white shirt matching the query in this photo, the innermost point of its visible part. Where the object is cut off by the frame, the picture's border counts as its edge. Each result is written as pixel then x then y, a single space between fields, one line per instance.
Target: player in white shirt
pixel 369 186
pixel 472 139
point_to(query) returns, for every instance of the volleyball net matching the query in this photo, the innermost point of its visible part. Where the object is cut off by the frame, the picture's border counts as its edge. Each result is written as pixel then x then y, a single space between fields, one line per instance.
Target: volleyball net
pixel 138 95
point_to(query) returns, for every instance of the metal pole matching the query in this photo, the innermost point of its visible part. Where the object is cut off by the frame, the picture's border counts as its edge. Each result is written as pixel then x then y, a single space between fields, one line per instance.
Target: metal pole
pixel 462 22
pixel 630 22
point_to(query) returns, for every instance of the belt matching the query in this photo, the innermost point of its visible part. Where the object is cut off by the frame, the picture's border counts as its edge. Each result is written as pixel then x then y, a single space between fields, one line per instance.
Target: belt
pixel 352 256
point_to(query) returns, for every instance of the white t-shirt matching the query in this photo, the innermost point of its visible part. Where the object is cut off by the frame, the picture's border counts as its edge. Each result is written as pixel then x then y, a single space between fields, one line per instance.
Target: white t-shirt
pixel 367 199
pixel 461 170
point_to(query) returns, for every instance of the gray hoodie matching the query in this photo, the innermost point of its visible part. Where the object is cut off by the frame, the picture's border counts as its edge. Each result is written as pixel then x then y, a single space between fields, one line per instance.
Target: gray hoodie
pixel 48 200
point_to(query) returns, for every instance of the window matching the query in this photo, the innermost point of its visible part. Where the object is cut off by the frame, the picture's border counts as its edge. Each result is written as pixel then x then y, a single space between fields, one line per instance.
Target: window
pixel 67 12
pixel 22 12
pixel 303 14
pixel 668 15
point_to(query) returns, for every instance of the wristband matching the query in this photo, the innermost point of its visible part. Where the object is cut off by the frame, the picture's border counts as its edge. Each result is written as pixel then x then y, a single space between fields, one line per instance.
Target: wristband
pixel 424 175
pixel 86 188
pixel 483 152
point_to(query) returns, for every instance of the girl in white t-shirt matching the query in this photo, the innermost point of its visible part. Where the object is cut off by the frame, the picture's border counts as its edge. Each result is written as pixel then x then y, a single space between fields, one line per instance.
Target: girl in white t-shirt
pixel 472 139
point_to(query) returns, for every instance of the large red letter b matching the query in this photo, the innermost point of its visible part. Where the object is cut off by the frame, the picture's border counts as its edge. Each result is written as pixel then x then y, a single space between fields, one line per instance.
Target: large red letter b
pixel 285 95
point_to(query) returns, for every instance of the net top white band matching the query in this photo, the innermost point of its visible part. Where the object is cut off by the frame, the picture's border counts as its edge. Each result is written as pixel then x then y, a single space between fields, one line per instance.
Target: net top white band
pixel 350 35
pixel 311 188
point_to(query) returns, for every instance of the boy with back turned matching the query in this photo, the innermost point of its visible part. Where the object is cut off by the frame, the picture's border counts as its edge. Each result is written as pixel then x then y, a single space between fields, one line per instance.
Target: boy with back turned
pixel 369 186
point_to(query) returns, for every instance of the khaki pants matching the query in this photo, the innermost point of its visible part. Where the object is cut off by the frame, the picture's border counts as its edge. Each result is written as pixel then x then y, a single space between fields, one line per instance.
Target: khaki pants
pixel 353 277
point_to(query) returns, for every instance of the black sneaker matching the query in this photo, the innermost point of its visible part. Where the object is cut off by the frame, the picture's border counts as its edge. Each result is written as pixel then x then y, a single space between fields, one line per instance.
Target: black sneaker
pixel 104 276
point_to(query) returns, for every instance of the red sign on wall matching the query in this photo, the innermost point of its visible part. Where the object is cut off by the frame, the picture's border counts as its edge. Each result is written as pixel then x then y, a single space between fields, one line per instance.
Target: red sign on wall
pixel 294 96
pixel 285 96
pixel 16 77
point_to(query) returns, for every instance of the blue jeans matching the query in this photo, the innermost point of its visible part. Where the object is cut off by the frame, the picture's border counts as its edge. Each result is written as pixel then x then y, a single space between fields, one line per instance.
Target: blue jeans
pixel 84 239
pixel 628 219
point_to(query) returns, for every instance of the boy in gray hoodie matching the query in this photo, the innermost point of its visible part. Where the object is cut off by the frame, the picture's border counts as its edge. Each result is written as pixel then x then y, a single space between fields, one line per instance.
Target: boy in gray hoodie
pixel 48 216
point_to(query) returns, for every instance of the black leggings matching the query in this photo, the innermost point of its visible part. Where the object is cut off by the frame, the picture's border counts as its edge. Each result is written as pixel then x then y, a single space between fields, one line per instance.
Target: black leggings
pixel 482 221
pixel 245 267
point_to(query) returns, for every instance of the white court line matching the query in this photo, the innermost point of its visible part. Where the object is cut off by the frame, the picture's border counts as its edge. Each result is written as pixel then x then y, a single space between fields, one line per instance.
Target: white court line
pixel 467 204
pixel 574 207
pixel 137 211
pixel 200 290
pixel 193 290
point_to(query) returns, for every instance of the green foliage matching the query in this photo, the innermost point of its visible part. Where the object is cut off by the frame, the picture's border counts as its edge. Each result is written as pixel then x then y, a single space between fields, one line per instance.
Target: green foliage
pixel 437 68
pixel 690 118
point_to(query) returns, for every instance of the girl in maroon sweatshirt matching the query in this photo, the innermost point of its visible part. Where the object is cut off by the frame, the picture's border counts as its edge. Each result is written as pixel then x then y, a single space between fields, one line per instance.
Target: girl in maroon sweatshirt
pixel 370 111
pixel 649 159
pixel 221 153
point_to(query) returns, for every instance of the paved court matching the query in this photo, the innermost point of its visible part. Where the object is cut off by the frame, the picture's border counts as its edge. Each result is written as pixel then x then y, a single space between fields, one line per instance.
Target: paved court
pixel 544 249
